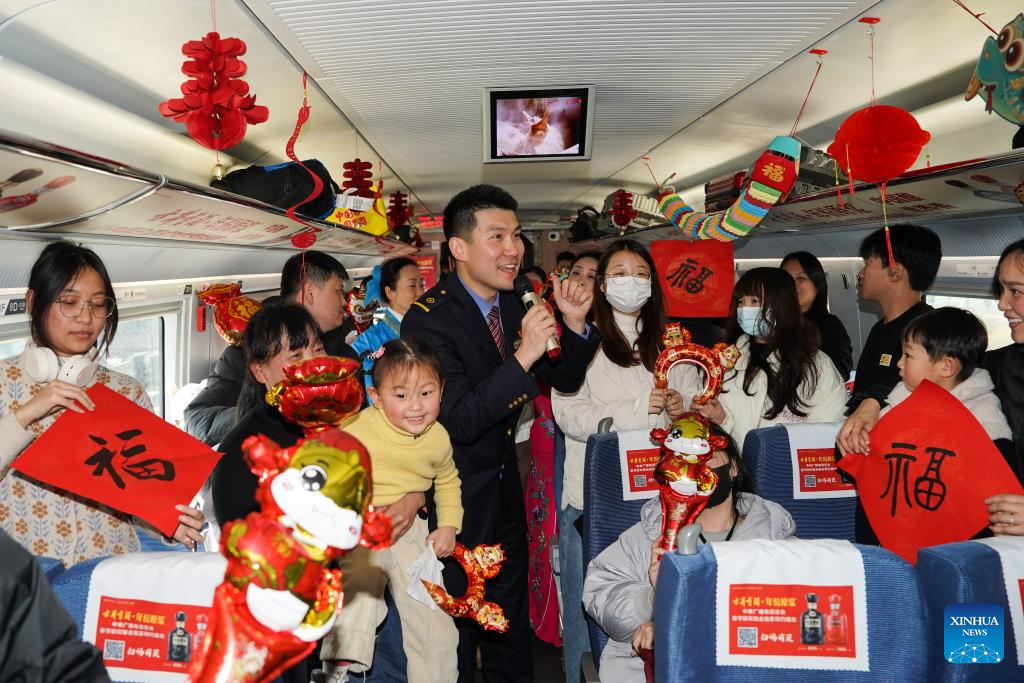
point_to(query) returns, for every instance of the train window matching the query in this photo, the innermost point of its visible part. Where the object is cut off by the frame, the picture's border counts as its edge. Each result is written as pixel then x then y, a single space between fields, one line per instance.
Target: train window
pixel 138 351
pixel 987 311
pixel 12 347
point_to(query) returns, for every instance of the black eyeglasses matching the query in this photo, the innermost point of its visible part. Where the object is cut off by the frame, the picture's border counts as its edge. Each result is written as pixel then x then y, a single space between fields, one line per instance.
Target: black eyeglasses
pixel 72 305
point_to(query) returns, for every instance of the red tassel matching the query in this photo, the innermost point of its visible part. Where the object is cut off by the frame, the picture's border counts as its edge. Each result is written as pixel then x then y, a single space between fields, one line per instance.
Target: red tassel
pixel 306 238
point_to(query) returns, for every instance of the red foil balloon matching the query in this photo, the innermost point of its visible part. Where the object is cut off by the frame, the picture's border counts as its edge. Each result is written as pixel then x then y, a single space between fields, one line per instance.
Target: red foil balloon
pixel 482 563
pixel 878 143
pixel 318 392
pixel 278 598
pixel 684 480
pixel 679 349
pixel 231 310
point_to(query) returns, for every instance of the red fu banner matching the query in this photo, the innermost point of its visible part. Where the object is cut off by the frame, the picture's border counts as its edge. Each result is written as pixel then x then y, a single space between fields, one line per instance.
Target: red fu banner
pixel 696 277
pixel 930 468
pixel 122 456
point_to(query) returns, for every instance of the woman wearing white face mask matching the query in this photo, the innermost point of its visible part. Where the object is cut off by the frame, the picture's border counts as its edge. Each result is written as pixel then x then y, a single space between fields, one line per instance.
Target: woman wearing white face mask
pixel 629 310
pixel 781 376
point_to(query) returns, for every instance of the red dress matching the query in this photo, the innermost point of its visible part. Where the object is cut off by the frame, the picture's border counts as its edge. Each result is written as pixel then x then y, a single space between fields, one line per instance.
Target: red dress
pixel 542 525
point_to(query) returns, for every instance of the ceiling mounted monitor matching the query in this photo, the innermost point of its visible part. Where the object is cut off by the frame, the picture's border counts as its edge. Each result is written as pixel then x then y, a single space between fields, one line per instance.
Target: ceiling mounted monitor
pixel 538 124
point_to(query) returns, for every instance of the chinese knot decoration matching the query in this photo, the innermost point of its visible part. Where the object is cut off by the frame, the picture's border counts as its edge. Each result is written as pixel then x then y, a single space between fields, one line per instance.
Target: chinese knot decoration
pixel 684 480
pixel 231 310
pixel 399 211
pixel 481 563
pixel 318 393
pixel 622 211
pixel 679 349
pixel 278 597
pixel 216 107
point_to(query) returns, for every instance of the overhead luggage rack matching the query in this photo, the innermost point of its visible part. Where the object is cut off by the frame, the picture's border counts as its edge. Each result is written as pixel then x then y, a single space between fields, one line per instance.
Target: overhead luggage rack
pixel 87 195
pixel 967 189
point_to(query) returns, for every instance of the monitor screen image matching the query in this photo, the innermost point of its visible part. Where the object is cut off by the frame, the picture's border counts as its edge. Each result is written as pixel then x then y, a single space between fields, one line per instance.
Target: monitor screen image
pixel 540 124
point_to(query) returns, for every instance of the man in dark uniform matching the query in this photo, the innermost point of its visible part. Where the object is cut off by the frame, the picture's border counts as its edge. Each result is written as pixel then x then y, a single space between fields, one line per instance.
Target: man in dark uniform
pixel 492 356
pixel 211 414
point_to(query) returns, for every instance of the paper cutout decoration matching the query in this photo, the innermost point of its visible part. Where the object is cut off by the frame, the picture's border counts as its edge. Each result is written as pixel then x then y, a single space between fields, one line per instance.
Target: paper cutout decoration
pixel 481 563
pixel 696 277
pixel 685 482
pixel 930 468
pixel 122 456
pixel 278 596
pixel 679 349
pixel 771 179
pixel 216 107
pixel 998 72
pixel 231 310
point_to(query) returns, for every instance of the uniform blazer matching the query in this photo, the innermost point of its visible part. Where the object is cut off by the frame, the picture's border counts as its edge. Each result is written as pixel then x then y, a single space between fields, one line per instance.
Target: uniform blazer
pixel 484 394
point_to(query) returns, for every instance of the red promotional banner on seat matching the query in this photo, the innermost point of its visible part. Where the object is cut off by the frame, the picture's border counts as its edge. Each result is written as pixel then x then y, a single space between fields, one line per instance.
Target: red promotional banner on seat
pixel 696 277
pixel 122 456
pixel 930 468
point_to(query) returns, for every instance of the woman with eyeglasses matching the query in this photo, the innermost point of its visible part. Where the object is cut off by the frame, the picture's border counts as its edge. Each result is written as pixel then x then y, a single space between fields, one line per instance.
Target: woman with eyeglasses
pixel 70 303
pixel 629 310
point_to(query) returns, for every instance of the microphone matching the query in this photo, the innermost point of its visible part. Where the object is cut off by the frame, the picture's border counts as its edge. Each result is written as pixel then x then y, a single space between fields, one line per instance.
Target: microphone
pixel 524 290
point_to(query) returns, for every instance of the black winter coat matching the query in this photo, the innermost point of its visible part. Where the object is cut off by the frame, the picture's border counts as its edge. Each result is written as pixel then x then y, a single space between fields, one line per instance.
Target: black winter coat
pixel 1006 365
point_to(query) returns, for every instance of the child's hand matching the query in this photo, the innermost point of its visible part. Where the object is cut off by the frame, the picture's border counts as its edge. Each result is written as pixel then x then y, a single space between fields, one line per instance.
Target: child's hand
pixel 854 436
pixel 643 637
pixel 444 540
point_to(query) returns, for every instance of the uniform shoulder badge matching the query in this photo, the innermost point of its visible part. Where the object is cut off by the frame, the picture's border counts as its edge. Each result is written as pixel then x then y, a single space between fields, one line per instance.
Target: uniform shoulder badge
pixel 433 298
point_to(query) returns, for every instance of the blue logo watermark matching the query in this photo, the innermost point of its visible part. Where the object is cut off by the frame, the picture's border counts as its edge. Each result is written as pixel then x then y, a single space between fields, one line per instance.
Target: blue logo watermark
pixel 973 633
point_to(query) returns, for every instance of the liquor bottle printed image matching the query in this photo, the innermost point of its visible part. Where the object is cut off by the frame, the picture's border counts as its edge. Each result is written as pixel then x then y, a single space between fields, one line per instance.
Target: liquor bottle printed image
pixel 811 626
pixel 197 639
pixel 835 623
pixel 179 643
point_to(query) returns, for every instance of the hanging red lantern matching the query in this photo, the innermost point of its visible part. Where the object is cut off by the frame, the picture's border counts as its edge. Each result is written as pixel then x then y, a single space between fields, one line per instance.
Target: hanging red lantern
pixel 622 211
pixel 216 107
pixel 358 178
pixel 877 143
pixel 399 211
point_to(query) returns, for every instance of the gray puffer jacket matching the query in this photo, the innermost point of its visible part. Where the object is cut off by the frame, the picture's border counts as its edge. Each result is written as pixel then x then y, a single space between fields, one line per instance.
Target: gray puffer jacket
pixel 617 592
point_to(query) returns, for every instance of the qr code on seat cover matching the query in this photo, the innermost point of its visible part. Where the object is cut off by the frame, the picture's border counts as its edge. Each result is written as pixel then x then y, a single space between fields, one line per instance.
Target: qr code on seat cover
pixel 746 636
pixel 113 650
pixel 810 481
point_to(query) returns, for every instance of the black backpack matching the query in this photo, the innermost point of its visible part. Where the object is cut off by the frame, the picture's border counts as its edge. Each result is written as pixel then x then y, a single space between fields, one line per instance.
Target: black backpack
pixel 284 186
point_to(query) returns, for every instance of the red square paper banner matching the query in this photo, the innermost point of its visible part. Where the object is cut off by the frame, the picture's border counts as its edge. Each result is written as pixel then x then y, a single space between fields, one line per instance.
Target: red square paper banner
pixel 930 468
pixel 122 456
pixel 696 277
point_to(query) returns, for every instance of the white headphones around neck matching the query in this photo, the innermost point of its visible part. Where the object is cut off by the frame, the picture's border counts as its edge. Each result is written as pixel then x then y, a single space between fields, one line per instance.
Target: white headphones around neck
pixel 43 365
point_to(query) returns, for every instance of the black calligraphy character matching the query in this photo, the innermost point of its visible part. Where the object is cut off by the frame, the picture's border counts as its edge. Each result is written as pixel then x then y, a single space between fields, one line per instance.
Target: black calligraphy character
pixel 153 468
pixel 899 462
pixel 696 283
pixel 929 489
pixel 678 276
pixel 103 459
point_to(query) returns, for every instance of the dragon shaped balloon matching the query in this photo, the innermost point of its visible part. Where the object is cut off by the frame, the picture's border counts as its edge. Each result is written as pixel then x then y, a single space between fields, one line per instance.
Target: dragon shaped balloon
pixel 684 480
pixel 680 349
pixel 1000 73
pixel 278 597
pixel 481 563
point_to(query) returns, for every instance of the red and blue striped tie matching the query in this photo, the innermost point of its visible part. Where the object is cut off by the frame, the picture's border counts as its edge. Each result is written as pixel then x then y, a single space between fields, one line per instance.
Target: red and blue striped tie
pixel 494 325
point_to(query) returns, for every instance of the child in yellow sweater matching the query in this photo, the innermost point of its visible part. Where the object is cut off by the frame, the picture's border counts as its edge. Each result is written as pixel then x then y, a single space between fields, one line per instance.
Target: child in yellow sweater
pixel 409 451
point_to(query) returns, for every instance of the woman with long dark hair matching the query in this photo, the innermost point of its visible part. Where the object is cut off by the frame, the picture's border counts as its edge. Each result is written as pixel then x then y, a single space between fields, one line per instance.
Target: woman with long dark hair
pixel 781 376
pixel 396 284
pixel 629 310
pixel 73 319
pixel 620 583
pixel 812 293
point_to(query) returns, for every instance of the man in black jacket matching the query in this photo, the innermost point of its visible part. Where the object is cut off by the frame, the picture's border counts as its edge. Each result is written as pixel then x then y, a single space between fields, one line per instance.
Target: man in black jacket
pixel 211 415
pixel 492 356
pixel 38 640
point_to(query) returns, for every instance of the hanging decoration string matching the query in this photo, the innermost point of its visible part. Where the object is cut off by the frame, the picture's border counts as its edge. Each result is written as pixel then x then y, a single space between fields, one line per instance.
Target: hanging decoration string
pixel 871 21
pixel 213 21
pixel 885 222
pixel 306 238
pixel 819 54
pixel 977 16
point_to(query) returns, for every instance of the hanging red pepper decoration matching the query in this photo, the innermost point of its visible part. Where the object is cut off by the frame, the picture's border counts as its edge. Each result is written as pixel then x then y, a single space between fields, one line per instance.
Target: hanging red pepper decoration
pixel 622 211
pixel 399 211
pixel 216 107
